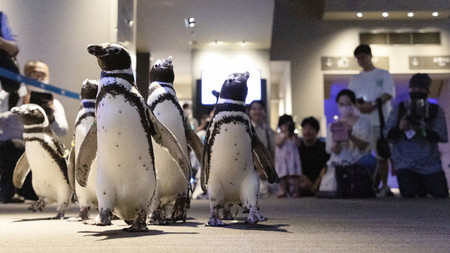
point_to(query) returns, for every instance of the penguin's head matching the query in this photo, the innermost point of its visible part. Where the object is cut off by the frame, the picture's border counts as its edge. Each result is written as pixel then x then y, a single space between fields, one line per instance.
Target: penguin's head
pixel 235 87
pixel 162 71
pixel 31 114
pixel 111 56
pixel 89 89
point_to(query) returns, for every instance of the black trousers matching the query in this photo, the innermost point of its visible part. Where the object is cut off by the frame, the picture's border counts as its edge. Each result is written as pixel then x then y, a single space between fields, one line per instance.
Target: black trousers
pixel 9 155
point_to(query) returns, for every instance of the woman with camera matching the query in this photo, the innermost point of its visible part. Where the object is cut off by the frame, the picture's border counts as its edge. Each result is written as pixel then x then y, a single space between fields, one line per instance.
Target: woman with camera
pixel 287 158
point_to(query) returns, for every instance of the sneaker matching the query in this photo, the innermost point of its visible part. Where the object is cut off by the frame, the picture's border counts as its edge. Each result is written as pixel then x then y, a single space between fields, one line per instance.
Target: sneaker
pixel 15 199
pixel 384 192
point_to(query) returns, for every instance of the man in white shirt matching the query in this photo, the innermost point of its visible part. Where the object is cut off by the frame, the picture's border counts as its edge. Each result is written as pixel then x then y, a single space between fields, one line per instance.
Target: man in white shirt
pixel 369 85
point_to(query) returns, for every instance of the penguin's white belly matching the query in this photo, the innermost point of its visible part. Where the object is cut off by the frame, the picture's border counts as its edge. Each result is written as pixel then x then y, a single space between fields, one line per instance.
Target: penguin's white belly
pixel 86 195
pixel 231 163
pixel 171 181
pixel 125 174
pixel 48 180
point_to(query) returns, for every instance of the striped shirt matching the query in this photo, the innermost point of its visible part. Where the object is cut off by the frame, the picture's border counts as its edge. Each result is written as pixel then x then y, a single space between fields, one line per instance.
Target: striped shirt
pixel 419 154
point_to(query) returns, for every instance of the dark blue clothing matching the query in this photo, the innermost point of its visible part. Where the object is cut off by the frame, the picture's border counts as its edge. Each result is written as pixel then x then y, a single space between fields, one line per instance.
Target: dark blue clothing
pixel 413 184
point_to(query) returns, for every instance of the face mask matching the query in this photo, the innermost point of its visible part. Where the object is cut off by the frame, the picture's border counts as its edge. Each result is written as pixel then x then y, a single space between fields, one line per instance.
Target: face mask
pixel 345 110
pixel 418 95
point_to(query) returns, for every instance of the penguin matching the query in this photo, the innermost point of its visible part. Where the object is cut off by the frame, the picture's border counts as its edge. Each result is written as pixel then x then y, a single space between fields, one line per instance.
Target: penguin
pixel 122 137
pixel 233 154
pixel 87 197
pixel 172 185
pixel 45 156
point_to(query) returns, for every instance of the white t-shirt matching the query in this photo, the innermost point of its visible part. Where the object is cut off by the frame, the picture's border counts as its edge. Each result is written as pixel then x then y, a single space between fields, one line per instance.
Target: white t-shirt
pixel 370 85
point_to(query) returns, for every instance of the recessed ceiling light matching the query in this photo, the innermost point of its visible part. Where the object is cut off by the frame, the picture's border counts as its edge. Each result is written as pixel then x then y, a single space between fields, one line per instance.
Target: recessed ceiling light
pixel 435 14
pixel 385 14
pixel 410 14
pixel 359 14
pixel 189 22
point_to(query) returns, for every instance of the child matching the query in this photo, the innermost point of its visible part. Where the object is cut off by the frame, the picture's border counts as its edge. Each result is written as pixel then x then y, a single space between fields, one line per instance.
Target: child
pixel 287 158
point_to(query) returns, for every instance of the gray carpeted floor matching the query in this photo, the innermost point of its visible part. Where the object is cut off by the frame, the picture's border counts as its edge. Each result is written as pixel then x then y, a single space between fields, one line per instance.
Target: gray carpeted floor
pixel 294 225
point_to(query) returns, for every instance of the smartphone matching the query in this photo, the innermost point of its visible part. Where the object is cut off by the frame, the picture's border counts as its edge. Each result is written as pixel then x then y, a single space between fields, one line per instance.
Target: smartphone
pixel 40 98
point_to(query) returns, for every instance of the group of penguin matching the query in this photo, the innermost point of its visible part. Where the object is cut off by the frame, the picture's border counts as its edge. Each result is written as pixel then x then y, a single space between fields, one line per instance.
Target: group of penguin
pixel 129 157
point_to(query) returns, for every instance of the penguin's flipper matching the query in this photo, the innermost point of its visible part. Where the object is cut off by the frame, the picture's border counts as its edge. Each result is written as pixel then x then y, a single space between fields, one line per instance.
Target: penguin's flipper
pixel 204 171
pixel 21 171
pixel 195 143
pixel 164 137
pixel 264 159
pixel 86 156
pixel 71 168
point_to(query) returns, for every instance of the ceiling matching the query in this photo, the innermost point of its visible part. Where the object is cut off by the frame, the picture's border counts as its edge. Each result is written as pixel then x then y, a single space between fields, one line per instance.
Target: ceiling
pixel 161 28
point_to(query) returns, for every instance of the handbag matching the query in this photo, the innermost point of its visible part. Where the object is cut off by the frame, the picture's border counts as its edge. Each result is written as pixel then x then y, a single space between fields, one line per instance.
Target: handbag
pixel 353 181
pixel 328 184
pixel 383 149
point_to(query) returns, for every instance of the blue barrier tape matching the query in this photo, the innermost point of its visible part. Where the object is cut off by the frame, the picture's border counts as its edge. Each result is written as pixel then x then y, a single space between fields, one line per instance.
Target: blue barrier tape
pixel 23 79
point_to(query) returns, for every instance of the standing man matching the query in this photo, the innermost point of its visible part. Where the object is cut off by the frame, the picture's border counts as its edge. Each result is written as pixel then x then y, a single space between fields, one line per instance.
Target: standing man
pixel 369 85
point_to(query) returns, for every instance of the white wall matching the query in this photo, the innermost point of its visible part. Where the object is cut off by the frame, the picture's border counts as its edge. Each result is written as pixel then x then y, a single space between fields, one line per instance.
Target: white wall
pixel 58 32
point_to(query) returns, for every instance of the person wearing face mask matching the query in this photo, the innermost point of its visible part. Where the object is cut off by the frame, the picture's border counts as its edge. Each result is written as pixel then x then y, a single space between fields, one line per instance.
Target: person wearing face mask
pixel 347 138
pixel 347 142
pixel 415 127
pixel 370 84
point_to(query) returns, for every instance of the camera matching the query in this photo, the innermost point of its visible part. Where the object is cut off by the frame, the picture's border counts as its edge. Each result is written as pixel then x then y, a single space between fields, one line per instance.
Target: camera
pixel 291 127
pixel 416 112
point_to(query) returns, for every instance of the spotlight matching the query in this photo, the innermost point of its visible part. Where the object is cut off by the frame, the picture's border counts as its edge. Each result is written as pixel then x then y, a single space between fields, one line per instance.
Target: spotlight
pixel 189 22
pixel 410 14
pixel 435 14
pixel 385 14
pixel 359 15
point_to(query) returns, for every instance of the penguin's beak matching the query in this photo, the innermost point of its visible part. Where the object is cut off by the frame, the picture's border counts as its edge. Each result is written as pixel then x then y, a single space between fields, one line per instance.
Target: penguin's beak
pixel 96 50
pixel 16 110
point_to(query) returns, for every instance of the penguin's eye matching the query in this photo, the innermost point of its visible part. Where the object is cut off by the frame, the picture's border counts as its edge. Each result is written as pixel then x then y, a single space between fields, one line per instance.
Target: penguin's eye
pixel 116 51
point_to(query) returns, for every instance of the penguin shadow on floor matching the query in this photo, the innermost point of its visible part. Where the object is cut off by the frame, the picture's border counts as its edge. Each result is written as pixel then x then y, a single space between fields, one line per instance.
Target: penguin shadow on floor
pixel 42 219
pixel 240 224
pixel 120 234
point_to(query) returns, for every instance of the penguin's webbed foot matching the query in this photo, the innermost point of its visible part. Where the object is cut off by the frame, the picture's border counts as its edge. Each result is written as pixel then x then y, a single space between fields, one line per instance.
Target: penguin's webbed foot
pixel 180 209
pixel 214 220
pixel 254 216
pixel 38 205
pixel 84 214
pixel 139 224
pixel 227 214
pixel 105 218
pixel 60 215
pixel 158 217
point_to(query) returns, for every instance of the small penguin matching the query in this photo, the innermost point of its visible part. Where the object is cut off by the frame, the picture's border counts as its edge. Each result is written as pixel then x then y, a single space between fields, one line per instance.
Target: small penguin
pixel 122 136
pixel 85 119
pixel 172 185
pixel 233 154
pixel 45 156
